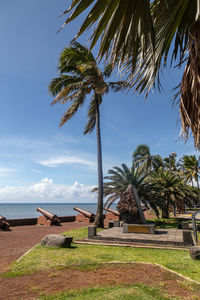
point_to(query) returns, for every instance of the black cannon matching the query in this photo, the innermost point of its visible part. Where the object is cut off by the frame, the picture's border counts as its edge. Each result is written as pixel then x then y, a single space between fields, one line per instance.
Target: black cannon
pixel 4 223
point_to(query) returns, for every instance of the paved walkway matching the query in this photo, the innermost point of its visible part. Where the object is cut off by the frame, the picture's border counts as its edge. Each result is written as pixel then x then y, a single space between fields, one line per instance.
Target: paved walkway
pixel 173 237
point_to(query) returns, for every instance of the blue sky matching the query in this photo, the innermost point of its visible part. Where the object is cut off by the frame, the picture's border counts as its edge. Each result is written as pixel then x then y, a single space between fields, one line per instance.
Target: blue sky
pixel 37 158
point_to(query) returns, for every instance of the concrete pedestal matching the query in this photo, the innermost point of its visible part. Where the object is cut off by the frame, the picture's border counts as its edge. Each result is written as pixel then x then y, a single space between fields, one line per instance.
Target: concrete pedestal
pixel 92 231
pixel 139 228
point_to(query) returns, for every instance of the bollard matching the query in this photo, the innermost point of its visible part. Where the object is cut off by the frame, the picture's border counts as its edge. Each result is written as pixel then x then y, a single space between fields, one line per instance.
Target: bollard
pixel 116 223
pixel 92 231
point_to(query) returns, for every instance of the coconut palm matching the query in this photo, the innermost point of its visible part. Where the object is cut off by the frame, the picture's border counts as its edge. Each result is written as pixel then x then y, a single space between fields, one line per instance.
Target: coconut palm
pixel 120 178
pixel 141 35
pixel 79 76
pixel 170 163
pixel 143 156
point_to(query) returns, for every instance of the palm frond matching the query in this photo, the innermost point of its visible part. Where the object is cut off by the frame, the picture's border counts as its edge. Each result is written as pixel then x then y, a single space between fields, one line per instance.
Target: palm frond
pixel 120 25
pixel 73 108
pixel 118 86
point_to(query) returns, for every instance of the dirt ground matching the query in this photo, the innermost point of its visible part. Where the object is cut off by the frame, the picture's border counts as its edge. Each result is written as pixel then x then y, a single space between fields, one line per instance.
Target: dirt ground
pixel 54 281
pixel 19 239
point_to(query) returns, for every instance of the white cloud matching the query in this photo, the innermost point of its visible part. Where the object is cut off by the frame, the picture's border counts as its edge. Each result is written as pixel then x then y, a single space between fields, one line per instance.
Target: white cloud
pixel 55 161
pixel 6 171
pixel 46 191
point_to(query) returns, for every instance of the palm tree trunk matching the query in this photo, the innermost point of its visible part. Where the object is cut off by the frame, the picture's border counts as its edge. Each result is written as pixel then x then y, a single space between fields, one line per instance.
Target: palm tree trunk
pixel 99 214
pixel 197 180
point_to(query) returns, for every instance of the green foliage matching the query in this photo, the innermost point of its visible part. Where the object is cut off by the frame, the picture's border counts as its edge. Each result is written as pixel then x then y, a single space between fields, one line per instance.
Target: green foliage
pixel 169 188
pixel 113 20
pixel 159 182
pixel 79 75
pixel 140 36
pixel 190 168
pixel 120 178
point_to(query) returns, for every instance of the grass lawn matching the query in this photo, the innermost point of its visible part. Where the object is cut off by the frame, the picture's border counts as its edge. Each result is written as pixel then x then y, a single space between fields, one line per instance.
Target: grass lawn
pixel 134 292
pixel 41 258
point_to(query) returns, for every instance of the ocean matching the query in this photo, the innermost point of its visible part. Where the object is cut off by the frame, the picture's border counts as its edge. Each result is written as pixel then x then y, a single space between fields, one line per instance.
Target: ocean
pixel 28 210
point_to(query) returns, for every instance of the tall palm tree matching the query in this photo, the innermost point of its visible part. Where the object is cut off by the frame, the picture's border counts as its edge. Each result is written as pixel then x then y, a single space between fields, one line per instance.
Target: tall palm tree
pixel 170 162
pixel 79 76
pixel 143 156
pixel 190 166
pixel 140 35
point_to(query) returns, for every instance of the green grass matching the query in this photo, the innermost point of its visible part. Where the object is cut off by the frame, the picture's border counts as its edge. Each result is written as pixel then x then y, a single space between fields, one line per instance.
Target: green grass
pixel 42 258
pixel 133 292
pixel 171 223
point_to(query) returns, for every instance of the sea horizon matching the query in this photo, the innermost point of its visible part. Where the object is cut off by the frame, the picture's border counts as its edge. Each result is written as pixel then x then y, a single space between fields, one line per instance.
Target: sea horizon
pixel 28 210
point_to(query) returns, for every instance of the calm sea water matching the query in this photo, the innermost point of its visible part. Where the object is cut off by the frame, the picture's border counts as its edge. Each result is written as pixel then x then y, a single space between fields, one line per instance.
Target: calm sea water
pixel 28 210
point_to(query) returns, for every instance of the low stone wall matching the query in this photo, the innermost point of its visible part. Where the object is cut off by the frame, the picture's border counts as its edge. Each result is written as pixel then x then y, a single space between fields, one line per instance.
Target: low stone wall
pixel 67 219
pixel 22 222
pixel 33 221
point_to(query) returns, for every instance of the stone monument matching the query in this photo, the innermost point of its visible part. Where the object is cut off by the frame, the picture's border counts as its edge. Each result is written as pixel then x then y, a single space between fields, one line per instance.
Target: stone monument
pixel 130 208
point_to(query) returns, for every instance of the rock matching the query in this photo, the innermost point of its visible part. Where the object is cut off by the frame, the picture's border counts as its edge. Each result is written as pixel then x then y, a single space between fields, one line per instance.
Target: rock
pixel 56 240
pixel 195 252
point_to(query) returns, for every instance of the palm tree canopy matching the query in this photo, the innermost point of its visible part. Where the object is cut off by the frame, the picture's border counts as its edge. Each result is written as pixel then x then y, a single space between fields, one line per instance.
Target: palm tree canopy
pixel 171 189
pixel 79 76
pixel 138 36
pixel 190 166
pixel 143 157
pixel 141 151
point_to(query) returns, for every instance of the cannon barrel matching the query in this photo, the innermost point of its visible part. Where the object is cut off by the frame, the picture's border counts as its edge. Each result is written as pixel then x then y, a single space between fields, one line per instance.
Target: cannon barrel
pixel 114 212
pixel 84 212
pixel 3 222
pixel 47 214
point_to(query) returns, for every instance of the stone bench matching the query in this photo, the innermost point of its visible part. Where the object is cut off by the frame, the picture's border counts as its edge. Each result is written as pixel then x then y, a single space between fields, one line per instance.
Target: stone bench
pixel 139 228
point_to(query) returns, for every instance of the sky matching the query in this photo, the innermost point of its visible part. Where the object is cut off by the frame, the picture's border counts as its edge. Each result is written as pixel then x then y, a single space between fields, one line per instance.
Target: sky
pixel 40 162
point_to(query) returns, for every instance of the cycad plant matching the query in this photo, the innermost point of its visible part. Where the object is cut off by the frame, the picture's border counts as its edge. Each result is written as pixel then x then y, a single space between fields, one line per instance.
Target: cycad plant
pixel 119 179
pixel 80 76
pixel 169 189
